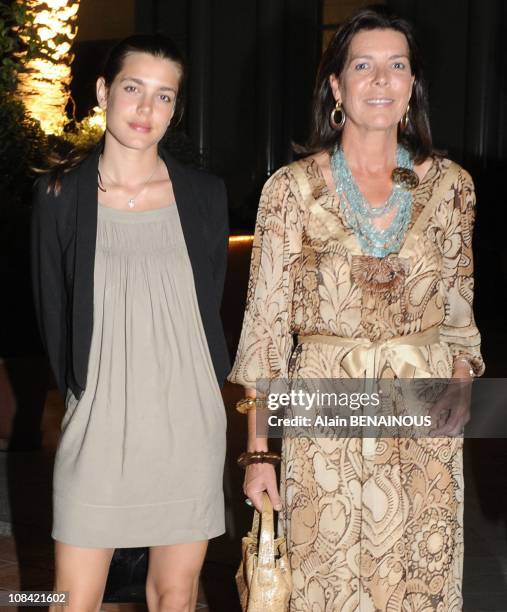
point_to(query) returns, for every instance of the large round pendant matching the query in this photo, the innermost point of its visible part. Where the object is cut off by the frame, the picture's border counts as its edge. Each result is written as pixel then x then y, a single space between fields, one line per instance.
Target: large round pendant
pixel 405 178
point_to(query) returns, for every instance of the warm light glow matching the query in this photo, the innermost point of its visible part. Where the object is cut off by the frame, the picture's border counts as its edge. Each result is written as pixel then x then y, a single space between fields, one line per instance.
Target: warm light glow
pixel 240 239
pixel 97 118
pixel 43 86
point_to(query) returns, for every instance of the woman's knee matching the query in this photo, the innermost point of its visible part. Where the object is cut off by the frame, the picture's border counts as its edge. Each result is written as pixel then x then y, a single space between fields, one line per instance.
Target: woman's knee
pixel 173 576
pixel 175 598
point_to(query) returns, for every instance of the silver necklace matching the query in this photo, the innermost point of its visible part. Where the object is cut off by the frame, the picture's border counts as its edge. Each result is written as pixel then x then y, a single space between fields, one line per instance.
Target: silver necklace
pixel 131 202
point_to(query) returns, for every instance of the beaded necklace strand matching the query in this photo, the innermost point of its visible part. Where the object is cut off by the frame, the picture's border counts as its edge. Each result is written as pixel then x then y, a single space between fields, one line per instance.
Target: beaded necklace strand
pixel 359 213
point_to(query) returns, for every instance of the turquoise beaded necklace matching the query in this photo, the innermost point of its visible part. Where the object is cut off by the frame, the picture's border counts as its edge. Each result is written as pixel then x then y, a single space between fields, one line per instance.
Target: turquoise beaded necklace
pixel 359 214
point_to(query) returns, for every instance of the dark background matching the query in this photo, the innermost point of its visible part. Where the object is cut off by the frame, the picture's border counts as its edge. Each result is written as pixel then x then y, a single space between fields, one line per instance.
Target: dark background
pixel 252 65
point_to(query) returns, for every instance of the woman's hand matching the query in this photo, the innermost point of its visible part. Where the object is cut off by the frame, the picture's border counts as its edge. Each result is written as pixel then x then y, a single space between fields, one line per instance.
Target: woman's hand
pixel 451 412
pixel 260 477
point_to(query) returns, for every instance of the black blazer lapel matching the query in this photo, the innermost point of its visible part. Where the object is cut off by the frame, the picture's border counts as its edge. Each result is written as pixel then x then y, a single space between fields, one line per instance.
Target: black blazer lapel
pixel 86 235
pixel 190 192
pixel 190 199
pixel 187 202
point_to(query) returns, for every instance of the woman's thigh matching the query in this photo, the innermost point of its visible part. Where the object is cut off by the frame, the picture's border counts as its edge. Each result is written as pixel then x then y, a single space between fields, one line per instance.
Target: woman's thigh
pixel 173 572
pixel 83 573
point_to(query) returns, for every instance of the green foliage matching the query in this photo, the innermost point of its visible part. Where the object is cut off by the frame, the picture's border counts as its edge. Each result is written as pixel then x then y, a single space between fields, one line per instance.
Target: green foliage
pixel 23 146
pixel 83 134
pixel 19 42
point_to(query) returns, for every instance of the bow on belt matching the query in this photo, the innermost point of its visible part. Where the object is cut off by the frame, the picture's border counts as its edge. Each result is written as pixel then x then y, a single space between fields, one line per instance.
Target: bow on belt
pixel 363 360
pixel 364 356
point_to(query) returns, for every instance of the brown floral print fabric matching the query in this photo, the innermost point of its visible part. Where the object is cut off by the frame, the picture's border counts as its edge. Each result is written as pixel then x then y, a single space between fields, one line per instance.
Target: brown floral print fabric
pixel 370 527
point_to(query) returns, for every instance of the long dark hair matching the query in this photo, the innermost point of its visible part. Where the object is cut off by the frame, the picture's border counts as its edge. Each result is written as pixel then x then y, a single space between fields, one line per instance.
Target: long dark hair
pixel 416 137
pixel 156 45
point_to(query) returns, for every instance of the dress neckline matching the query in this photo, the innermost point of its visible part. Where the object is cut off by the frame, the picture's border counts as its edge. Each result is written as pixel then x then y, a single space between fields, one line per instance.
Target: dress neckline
pixel 332 192
pixel 417 207
pixel 136 212
pixel 125 216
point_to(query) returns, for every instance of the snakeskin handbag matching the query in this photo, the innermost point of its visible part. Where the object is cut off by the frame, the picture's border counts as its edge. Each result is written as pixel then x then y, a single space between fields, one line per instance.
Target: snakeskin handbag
pixel 263 578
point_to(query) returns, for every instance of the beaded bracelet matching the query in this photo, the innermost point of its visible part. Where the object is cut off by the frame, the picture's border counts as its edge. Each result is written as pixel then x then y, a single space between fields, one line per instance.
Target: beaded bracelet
pixel 248 458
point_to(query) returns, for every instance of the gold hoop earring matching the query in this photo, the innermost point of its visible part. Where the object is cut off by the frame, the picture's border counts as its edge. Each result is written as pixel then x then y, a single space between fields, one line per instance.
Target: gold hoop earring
pixel 404 119
pixel 338 116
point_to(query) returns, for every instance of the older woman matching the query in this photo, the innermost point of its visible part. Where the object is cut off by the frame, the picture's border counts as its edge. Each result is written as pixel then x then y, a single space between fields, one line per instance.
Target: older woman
pixel 365 243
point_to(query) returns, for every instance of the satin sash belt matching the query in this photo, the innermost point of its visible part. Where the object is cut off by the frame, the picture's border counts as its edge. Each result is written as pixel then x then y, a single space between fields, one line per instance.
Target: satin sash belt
pixel 364 357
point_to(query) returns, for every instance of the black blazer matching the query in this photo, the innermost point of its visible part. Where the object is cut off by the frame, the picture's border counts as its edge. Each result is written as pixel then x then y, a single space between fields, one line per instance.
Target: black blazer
pixel 64 229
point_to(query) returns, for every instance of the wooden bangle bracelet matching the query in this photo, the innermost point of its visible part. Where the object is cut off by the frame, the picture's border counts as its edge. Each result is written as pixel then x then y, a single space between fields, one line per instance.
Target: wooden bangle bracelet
pixel 258 457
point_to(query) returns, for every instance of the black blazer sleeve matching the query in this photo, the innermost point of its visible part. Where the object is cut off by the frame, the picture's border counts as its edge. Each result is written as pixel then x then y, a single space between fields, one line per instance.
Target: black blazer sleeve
pixel 48 280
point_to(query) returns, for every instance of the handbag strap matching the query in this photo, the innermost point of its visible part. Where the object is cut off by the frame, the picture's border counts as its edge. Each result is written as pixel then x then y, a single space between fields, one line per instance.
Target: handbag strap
pixel 266 550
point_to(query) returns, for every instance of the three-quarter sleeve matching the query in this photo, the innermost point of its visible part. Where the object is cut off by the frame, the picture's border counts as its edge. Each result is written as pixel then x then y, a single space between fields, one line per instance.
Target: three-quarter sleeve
pixel 266 341
pixel 459 330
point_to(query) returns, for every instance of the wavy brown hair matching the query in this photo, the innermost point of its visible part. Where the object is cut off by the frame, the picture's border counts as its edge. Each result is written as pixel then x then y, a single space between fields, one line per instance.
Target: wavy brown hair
pixel 416 137
pixel 153 44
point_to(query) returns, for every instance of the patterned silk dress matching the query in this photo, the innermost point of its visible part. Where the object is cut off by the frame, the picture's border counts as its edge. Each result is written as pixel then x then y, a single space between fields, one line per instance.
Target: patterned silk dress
pixel 369 527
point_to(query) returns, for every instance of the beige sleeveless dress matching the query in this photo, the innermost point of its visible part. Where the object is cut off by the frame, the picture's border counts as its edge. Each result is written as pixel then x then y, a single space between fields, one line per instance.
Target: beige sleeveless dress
pixel 140 459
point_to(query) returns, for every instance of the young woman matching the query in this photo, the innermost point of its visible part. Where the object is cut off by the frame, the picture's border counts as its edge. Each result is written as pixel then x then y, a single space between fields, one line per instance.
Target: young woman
pixel 129 255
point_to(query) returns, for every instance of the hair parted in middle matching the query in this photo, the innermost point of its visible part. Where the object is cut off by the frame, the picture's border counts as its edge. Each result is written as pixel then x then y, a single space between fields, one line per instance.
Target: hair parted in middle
pixel 156 45
pixel 417 135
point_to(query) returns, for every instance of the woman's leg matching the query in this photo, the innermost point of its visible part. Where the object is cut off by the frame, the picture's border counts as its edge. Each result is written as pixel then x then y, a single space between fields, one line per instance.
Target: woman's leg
pixel 173 576
pixel 82 572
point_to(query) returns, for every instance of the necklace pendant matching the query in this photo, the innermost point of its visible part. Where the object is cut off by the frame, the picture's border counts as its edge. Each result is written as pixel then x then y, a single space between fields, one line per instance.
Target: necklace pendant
pixel 405 178
pixel 131 203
